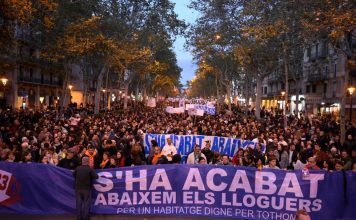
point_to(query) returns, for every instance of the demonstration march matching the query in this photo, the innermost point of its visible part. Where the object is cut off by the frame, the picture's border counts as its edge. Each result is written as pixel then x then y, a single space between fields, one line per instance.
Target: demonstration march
pixel 151 161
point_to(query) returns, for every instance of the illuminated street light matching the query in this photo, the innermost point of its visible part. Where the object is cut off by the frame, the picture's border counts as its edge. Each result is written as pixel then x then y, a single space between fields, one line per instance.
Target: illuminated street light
pixel 4 81
pixel 351 90
pixel 70 93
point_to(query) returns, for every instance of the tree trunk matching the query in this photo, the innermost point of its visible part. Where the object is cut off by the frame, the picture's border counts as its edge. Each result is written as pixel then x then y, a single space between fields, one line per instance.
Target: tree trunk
pixel 286 88
pixel 229 94
pixel 62 99
pixel 107 92
pixel 109 99
pixel 217 95
pixel 247 89
pixel 126 94
pixel 297 101
pixel 97 96
pixel 98 91
pixel 144 95
pixel 342 107
pixel 258 96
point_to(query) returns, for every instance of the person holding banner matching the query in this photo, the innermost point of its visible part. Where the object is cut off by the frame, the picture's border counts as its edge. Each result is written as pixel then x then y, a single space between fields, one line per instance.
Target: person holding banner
pixel 225 160
pixel 193 158
pixel 207 152
pixel 84 175
pixel 169 150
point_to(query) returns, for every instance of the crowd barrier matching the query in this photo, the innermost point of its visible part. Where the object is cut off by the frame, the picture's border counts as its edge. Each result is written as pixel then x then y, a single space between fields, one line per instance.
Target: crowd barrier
pixel 185 190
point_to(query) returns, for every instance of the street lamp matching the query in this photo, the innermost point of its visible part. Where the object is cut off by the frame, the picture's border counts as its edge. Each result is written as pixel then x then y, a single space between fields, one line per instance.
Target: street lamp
pixel 70 87
pixel 351 91
pixel 4 81
pixel 104 97
pixel 283 102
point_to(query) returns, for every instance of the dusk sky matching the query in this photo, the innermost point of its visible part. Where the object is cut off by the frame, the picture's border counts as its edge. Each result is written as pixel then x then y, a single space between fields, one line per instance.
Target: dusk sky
pixel 184 58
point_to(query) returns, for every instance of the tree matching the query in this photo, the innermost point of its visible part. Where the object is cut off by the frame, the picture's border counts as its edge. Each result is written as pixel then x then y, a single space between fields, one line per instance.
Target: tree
pixel 212 39
pixel 336 21
pixel 258 49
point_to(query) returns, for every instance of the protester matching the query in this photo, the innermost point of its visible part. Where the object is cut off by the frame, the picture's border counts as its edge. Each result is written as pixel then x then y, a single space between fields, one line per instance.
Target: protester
pixel 93 156
pixel 84 175
pixel 157 154
pixel 169 149
pixel 120 159
pixel 202 160
pixel 120 133
pixel 70 161
pixel 113 162
pixel 302 215
pixel 225 161
pixel 105 163
pixel 312 164
pixel 207 151
pixel 272 163
pixel 193 158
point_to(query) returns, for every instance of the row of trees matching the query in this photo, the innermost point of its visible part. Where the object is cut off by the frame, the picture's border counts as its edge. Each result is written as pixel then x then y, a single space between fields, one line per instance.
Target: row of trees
pixel 116 43
pixel 240 42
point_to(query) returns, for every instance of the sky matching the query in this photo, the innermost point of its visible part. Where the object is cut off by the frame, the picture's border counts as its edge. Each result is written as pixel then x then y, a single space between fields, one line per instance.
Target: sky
pixel 184 58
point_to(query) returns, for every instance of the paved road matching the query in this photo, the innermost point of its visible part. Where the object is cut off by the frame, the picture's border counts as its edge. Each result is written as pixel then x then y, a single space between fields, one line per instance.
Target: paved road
pixel 103 217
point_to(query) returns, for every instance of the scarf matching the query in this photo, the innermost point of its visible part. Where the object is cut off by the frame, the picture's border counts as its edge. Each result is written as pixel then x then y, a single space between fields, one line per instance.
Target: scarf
pixel 91 158
pixel 155 158
pixel 103 163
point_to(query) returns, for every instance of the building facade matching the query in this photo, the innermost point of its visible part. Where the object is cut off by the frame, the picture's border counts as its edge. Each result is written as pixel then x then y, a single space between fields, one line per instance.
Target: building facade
pixel 320 86
pixel 32 81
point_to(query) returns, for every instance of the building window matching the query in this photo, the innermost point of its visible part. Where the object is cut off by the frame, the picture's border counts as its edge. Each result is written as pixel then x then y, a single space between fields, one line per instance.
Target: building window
pixel 317 50
pixel 42 78
pixel 325 88
pixel 265 90
pixel 334 89
pixel 31 73
pixel 308 52
pixel 308 89
pixel 21 72
pixel 51 78
pixel 314 88
pixel 335 69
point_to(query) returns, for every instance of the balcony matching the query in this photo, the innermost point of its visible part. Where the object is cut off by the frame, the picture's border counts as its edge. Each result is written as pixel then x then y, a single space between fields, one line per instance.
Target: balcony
pixel 275 78
pixel 273 94
pixel 41 62
pixel 37 81
pixel 316 77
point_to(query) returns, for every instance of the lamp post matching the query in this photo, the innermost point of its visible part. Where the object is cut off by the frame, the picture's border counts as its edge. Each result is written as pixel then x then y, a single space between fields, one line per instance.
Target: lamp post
pixel 104 97
pixel 283 93
pixel 351 91
pixel 4 81
pixel 70 87
pixel 283 102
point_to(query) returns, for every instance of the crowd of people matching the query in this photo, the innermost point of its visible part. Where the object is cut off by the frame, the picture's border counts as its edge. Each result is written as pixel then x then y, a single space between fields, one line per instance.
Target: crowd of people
pixel 115 138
